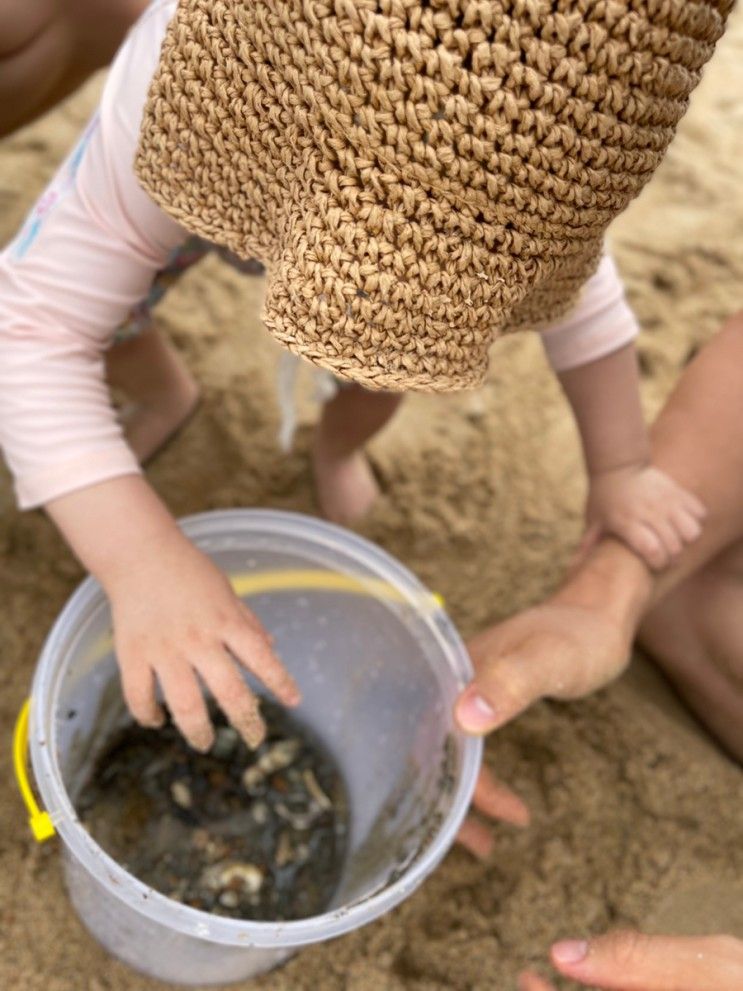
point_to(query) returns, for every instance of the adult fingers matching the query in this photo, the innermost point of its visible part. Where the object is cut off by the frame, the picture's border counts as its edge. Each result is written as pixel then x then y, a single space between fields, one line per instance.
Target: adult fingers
pixel 631 961
pixel 138 685
pixel 494 800
pixel 588 541
pixel 503 686
pixel 590 538
pixel 234 697
pixel 254 652
pixel 186 703
pixel 476 837
pixel 497 801
pixel 529 981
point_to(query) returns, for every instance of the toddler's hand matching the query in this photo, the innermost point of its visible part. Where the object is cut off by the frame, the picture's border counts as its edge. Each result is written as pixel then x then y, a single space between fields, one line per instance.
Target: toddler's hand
pixel 646 509
pixel 177 620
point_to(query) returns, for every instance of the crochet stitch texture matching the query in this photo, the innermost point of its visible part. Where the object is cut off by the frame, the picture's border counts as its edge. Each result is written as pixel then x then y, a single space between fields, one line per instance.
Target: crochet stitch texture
pixel 418 176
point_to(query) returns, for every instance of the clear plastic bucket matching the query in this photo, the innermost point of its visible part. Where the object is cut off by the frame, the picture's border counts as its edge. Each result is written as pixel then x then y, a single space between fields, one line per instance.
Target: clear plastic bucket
pixel 379 664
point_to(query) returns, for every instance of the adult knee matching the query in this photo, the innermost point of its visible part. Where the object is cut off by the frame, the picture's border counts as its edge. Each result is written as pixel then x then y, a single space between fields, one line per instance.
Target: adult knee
pixel 21 23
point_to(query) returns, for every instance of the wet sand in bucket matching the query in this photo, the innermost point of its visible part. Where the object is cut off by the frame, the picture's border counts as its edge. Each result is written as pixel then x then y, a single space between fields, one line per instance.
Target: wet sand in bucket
pixel 246 834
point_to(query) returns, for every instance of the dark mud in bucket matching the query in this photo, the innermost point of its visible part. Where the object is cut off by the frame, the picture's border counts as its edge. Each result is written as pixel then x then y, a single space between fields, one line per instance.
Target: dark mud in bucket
pixel 379 665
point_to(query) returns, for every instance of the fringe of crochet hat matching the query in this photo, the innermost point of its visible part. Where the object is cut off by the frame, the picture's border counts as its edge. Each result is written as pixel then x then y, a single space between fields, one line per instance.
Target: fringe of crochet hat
pixel 418 176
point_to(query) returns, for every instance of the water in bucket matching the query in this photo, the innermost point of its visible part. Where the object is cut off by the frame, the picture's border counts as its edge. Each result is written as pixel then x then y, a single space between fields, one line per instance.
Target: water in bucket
pixel 247 834
pixel 379 665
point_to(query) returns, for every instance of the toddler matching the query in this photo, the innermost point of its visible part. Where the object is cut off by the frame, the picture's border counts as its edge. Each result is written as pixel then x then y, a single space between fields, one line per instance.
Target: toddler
pixel 415 186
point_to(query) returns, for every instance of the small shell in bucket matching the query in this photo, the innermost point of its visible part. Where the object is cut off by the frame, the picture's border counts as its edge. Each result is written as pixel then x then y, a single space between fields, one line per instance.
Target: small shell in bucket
pixel 185 823
pixel 233 876
pixel 275 758
pixel 379 665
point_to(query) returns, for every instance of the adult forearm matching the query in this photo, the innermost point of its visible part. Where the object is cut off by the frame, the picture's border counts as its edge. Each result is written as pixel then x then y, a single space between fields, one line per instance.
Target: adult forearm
pixel 698 441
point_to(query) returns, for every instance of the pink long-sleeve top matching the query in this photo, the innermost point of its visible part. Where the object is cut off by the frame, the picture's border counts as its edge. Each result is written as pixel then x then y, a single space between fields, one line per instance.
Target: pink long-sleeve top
pixel 88 253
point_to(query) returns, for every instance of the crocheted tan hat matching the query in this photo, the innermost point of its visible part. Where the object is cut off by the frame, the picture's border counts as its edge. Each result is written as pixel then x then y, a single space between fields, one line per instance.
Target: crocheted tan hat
pixel 418 176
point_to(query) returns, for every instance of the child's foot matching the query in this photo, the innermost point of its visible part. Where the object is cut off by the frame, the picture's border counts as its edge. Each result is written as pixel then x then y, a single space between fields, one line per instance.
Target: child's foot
pixel 345 486
pixel 696 636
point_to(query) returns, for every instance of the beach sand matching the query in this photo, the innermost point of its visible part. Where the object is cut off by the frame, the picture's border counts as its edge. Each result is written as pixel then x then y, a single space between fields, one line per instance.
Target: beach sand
pixel 637 815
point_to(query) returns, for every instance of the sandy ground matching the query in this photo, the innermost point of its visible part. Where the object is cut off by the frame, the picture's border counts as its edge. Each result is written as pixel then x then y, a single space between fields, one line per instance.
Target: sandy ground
pixel 636 814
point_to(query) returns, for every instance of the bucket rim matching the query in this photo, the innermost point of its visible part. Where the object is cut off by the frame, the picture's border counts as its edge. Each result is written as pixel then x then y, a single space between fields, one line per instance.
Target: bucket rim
pixel 236 932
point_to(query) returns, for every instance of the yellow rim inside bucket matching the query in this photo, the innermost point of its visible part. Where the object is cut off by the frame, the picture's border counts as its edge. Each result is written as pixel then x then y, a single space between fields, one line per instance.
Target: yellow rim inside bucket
pixel 244 585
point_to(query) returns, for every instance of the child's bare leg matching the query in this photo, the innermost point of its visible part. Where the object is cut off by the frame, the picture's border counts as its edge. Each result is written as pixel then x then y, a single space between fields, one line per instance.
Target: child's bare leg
pixel 49 47
pixel 345 484
pixel 160 390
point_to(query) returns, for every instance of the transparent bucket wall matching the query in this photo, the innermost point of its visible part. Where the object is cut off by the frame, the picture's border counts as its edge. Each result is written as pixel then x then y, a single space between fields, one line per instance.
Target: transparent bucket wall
pixel 378 688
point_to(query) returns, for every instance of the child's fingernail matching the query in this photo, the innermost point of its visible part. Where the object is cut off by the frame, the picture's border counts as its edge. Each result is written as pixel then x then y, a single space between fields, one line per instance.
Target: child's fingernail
pixel 474 713
pixel 203 742
pixel 570 951
pixel 292 694
pixel 155 722
pixel 252 729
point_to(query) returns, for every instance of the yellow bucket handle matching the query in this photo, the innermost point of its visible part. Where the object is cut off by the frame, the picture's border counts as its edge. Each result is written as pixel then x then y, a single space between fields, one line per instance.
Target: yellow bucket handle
pixel 41 823
pixel 244 585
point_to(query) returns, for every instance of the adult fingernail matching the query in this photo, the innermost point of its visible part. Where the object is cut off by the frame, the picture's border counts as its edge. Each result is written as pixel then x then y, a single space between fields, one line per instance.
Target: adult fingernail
pixel 570 951
pixel 474 713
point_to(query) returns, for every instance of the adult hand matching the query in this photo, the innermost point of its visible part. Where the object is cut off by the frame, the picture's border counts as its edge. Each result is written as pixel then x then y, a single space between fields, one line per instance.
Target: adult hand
pixel 560 649
pixel 630 961
pixel 569 646
pixel 495 801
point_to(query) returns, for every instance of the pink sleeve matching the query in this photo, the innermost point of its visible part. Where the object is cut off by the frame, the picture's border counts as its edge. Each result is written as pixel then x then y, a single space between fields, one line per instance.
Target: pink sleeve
pixel 602 322
pixel 87 253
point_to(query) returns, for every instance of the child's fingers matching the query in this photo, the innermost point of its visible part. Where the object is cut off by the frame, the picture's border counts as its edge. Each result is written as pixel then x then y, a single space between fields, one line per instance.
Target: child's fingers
pixel 254 652
pixel 253 622
pixel 645 542
pixel 686 524
pixel 234 697
pixel 669 537
pixel 186 703
pixel 138 686
pixel 695 506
